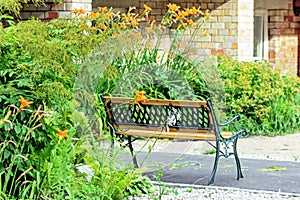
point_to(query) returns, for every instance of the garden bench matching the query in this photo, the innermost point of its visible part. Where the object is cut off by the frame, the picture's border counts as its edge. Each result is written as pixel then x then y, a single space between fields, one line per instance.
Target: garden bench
pixel 172 119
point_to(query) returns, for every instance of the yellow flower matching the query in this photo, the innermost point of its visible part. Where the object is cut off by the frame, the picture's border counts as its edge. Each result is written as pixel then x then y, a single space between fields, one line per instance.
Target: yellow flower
pixel 205 33
pixel 140 96
pixel 93 15
pixel 134 23
pixel 108 15
pixel 207 15
pixel 183 25
pixel 183 14
pixel 177 17
pixel 173 7
pixel 122 25
pixel 102 9
pixel 93 28
pixel 193 10
pixel 126 17
pixel 24 103
pixel 103 27
pixel 79 11
pixel 61 134
pixel 147 8
pixel 190 22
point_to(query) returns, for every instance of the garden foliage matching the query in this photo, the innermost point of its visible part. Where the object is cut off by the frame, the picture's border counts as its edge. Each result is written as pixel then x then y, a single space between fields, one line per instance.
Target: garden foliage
pixel 39 149
pixel 267 101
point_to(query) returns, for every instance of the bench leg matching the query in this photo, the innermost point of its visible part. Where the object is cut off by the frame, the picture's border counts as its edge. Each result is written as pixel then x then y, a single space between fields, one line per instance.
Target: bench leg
pixel 213 173
pixel 237 160
pixel 134 160
pixel 112 140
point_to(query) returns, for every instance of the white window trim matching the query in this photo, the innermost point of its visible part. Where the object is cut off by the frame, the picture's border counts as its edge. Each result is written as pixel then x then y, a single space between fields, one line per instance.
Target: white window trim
pixel 264 14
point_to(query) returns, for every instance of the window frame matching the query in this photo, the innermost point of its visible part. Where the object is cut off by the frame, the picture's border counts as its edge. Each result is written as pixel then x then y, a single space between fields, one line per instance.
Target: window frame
pixel 265 44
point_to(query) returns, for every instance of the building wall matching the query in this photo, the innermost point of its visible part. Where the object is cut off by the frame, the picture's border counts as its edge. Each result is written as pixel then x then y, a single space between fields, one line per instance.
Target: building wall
pixel 230 28
pixel 227 29
pixel 52 10
pixel 283 34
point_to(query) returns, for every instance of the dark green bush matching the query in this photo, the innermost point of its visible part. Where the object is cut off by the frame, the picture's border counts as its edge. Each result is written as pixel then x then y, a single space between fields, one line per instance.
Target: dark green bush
pixel 267 102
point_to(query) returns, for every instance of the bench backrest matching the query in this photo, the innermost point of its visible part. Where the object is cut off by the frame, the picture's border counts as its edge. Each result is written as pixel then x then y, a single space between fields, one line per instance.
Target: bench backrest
pixel 178 115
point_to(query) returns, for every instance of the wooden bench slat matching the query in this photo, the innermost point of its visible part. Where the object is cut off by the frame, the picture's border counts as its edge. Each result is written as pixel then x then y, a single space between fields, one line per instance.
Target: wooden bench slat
pixel 188 135
pixel 161 102
pixel 152 128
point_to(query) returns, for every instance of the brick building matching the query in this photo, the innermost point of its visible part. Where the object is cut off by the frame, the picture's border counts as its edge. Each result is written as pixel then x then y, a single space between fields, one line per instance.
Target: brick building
pixel 244 29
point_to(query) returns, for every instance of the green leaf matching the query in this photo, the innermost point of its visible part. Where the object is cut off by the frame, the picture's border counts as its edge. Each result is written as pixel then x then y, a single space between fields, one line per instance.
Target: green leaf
pixel 17 129
pixel 6 154
pixel 273 168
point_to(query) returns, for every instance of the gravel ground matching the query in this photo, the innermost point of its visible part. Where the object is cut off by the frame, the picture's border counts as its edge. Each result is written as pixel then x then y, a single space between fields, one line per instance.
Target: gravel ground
pixel 214 193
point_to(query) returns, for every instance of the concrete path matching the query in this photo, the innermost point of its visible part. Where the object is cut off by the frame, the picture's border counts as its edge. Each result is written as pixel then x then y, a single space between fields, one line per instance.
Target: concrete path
pixel 268 163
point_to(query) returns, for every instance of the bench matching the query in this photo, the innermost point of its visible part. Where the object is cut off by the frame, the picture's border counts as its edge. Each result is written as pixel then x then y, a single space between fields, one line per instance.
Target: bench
pixel 172 119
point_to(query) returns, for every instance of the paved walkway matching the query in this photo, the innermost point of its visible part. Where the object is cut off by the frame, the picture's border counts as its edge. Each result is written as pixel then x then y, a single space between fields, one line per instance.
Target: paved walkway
pixel 268 163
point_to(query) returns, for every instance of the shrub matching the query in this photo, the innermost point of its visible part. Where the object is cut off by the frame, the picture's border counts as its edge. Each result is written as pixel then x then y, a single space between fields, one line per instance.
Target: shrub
pixel 40 61
pixel 266 101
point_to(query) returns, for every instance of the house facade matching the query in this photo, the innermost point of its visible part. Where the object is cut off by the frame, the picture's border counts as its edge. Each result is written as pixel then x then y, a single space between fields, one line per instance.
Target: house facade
pixel 247 30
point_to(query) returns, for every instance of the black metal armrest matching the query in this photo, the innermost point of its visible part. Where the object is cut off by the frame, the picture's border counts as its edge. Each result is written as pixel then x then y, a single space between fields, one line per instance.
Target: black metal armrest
pixel 237 132
pixel 236 135
pixel 237 117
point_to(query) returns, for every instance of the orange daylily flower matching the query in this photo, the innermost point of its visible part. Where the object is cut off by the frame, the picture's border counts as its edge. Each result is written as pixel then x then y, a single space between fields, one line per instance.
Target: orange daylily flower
pixel 140 96
pixel 24 103
pixel 79 11
pixel 109 15
pixel 114 35
pixel 173 7
pixel 103 27
pixel 194 10
pixel 61 134
pixel 183 25
pixel 147 8
pixel 93 15
pixel 126 17
pixel 190 22
pixel 134 23
pixel 102 9
pixel 122 25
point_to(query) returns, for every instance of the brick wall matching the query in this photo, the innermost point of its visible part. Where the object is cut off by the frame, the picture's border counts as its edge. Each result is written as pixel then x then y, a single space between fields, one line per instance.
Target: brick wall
pixel 52 10
pixel 222 27
pixel 284 30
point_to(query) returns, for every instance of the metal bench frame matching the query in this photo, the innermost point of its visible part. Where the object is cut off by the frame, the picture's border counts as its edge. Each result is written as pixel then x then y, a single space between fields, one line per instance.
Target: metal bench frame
pixel 173 119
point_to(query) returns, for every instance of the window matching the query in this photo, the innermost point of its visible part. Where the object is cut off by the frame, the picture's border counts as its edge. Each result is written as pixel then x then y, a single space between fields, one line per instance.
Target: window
pixel 260 37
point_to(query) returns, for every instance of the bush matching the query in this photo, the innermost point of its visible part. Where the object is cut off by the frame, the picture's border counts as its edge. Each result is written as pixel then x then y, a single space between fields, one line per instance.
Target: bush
pixel 40 62
pixel 266 101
